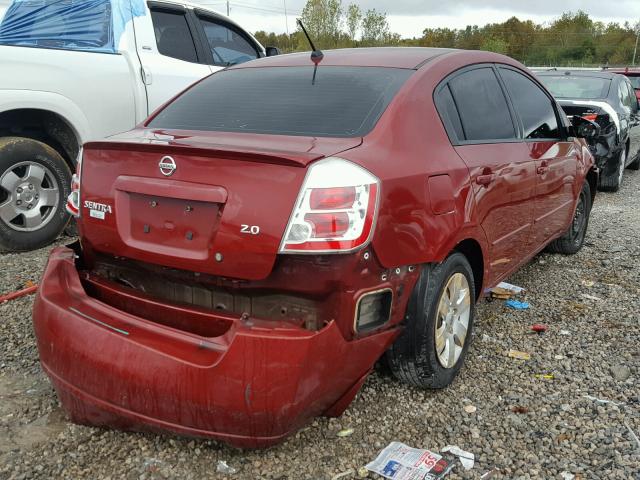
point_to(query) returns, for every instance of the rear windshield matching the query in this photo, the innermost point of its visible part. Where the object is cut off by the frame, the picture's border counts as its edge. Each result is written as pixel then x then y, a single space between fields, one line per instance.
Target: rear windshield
pixel 635 81
pixel 340 102
pixel 585 88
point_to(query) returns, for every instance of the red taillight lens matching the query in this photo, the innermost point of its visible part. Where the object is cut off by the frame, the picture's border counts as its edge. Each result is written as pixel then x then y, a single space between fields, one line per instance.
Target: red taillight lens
pixel 328 225
pixel 335 210
pixel 332 198
pixel 591 117
pixel 73 200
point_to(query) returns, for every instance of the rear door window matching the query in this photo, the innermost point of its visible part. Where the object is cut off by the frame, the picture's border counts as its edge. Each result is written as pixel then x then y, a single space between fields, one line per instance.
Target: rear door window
pixel 173 35
pixel 333 102
pixel 532 105
pixel 449 114
pixel 227 46
pixel 484 112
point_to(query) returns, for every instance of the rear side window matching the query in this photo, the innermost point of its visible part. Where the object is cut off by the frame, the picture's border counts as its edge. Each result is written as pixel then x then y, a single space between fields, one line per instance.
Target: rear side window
pixel 484 112
pixel 448 112
pixel 532 105
pixel 69 25
pixel 227 47
pixel 173 35
pixel 339 102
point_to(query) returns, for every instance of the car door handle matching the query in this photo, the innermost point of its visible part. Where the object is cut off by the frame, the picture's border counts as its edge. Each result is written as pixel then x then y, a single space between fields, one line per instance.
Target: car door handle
pixel 485 180
pixel 542 168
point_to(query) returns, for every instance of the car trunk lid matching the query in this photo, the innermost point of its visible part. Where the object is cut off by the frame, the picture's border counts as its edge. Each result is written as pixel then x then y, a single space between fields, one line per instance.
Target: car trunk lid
pixel 214 203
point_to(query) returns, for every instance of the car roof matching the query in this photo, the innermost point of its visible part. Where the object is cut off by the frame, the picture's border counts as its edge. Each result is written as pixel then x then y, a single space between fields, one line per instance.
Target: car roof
pixel 577 73
pixel 394 57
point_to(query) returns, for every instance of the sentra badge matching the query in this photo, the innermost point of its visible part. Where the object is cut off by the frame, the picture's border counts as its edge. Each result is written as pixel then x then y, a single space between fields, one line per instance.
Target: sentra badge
pixel 97 210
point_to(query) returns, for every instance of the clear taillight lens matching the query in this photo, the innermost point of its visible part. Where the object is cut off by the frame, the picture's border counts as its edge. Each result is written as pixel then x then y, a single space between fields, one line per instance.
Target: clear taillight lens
pixel 73 200
pixel 335 210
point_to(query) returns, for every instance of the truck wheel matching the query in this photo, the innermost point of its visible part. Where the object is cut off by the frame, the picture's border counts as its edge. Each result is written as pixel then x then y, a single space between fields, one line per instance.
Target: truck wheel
pixel 612 182
pixel 571 242
pixel 34 184
pixel 439 323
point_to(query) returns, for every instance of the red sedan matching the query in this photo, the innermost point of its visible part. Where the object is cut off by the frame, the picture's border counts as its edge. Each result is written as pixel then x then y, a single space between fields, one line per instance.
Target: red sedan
pixel 250 252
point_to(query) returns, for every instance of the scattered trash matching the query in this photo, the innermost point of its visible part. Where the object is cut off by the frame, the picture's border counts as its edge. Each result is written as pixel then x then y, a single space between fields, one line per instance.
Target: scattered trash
pixel 567 476
pixel 633 435
pixel 30 288
pixel 401 462
pixel 363 472
pixel 602 400
pixel 224 468
pixel 346 432
pixel 470 408
pixel 515 304
pixel 590 297
pixel 466 458
pixel 558 357
pixel 343 474
pixel 588 283
pixel 539 327
pixel 152 464
pixel 505 291
pixel 519 409
pixel 545 376
pixel 519 355
pixel 489 474
pixel 565 332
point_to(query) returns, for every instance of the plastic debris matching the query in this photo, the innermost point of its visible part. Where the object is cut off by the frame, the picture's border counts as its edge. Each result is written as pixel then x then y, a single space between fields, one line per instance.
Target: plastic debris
pixel 633 435
pixel 519 409
pixel 346 432
pixel 225 468
pixel 545 376
pixel 400 462
pixel 506 290
pixel 565 332
pixel 466 458
pixel 152 464
pixel 567 476
pixel 602 400
pixel 591 297
pixel 489 474
pixel 539 327
pixel 519 355
pixel 517 305
pixel 348 473
pixel 470 408
pixel 363 472
pixel 30 288
pixel 588 283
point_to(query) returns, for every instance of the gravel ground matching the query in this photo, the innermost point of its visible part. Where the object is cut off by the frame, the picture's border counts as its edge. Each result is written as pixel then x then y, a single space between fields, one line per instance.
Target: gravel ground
pixel 524 426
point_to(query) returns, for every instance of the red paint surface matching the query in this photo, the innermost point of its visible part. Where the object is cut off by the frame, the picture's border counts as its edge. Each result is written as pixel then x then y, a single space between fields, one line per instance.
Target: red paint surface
pixel 253 385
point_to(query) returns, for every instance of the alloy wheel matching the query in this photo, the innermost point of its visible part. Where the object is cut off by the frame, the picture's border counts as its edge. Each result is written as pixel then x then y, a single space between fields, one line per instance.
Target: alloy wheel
pixel 452 323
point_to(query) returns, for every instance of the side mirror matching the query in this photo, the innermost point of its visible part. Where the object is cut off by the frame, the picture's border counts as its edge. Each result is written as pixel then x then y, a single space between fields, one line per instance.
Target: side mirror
pixel 272 51
pixel 584 128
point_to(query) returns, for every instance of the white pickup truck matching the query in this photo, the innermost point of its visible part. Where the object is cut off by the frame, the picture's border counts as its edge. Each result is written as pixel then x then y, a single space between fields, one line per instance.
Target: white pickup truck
pixel 80 70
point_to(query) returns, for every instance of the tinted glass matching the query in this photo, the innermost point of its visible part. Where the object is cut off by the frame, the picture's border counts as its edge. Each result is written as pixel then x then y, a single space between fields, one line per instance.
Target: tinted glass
pixel 341 102
pixel 635 82
pixel 173 35
pixel 567 86
pixel 532 105
pixel 483 108
pixel 227 46
pixel 624 94
pixel 448 112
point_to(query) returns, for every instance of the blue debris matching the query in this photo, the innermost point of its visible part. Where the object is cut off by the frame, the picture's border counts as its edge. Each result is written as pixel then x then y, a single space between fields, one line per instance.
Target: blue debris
pixel 515 304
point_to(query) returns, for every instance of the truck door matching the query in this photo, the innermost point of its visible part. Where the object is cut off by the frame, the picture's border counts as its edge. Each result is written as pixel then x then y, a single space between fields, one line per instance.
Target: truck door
pixel 170 52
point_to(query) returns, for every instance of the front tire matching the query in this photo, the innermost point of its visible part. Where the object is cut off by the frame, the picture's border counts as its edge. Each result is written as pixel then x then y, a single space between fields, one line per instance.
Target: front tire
pixel 34 184
pixel 571 242
pixel 439 323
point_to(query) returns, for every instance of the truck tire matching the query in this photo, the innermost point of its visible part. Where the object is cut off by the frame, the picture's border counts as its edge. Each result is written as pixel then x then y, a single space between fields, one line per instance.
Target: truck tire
pixel 439 323
pixel 34 184
pixel 611 183
pixel 571 242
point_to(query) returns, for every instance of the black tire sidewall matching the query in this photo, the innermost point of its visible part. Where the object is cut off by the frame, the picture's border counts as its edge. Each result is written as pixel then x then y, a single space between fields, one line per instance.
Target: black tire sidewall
pixel 14 151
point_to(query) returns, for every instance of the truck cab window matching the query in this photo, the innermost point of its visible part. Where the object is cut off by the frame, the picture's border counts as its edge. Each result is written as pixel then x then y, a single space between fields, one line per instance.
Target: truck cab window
pixel 173 35
pixel 227 46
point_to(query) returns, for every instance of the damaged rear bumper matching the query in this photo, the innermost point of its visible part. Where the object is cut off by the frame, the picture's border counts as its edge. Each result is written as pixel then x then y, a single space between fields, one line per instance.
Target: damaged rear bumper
pixel 244 384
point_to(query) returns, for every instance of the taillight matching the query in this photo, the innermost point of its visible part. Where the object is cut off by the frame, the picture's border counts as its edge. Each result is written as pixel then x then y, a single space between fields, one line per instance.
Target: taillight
pixel 335 210
pixel 591 117
pixel 73 200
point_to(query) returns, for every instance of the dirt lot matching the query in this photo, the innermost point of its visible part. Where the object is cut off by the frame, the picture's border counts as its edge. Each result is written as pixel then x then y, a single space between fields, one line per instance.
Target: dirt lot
pixel 525 425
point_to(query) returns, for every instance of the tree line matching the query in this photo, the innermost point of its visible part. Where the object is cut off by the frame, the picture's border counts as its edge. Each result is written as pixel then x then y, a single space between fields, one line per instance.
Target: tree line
pixel 573 39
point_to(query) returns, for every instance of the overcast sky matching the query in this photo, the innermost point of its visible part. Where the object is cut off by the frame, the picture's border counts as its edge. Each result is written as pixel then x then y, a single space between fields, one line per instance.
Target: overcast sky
pixel 410 17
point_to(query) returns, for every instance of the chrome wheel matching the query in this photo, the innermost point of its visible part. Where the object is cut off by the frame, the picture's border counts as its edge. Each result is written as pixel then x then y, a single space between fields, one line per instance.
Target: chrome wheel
pixel 623 160
pixel 452 323
pixel 29 196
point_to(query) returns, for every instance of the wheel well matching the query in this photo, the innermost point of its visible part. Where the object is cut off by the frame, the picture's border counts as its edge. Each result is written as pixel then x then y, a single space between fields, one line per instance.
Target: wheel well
pixel 44 126
pixel 473 252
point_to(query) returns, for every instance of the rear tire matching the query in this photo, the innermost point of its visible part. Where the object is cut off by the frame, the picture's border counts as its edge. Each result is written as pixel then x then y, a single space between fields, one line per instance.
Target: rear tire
pixel 34 184
pixel 571 242
pixel 422 356
pixel 612 182
pixel 635 165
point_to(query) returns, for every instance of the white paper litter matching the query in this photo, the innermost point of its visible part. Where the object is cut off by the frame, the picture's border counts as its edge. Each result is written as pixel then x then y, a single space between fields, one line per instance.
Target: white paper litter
pixel 514 288
pixel 400 462
pixel 466 458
